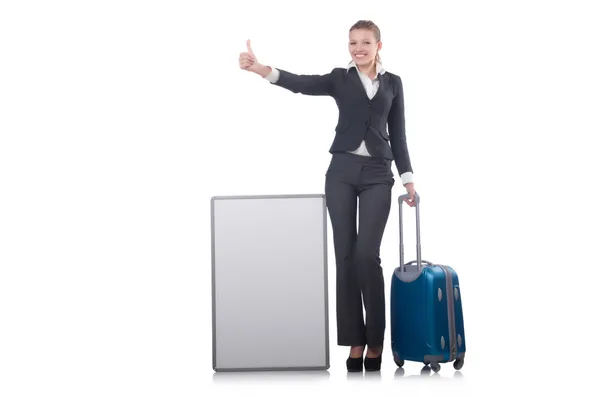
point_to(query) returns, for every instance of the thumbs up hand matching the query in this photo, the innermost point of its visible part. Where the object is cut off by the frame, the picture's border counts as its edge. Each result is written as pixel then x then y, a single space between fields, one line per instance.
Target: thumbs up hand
pixel 249 62
pixel 248 59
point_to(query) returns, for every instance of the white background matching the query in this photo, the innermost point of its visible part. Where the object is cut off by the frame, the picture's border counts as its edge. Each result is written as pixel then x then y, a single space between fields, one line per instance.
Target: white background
pixel 120 119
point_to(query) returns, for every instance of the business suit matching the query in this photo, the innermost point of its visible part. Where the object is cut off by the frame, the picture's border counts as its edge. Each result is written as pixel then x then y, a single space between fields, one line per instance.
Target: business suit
pixel 370 134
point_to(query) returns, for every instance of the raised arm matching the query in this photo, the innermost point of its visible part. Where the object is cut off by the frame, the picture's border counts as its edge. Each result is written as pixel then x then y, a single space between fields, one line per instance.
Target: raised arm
pixel 396 126
pixel 307 84
pixel 302 84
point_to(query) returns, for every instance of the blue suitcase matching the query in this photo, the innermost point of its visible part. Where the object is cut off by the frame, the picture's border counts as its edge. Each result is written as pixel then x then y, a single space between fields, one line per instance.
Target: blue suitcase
pixel 426 309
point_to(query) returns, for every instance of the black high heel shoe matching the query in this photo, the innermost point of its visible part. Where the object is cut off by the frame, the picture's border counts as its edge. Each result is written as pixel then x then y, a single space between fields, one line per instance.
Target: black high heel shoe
pixel 354 364
pixel 373 363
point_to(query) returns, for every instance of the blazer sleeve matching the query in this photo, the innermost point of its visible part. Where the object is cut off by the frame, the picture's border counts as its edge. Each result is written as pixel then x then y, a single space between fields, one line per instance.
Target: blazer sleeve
pixel 396 127
pixel 307 84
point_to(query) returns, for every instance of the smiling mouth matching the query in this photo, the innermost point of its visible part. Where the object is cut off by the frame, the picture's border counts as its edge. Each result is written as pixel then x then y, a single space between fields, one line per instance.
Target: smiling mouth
pixel 360 55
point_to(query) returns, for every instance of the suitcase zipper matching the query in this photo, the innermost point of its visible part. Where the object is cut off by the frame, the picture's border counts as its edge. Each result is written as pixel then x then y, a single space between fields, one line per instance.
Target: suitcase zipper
pixel 451 315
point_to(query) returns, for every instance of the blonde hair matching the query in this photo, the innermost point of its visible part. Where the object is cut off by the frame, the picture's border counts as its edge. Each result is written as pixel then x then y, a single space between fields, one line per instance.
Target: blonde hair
pixel 370 25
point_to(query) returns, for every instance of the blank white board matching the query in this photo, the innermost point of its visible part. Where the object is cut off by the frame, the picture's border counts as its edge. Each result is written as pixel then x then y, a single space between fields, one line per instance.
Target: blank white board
pixel 269 282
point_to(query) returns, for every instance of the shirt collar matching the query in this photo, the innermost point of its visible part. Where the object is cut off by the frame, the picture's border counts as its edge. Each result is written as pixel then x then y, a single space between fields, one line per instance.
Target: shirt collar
pixel 378 67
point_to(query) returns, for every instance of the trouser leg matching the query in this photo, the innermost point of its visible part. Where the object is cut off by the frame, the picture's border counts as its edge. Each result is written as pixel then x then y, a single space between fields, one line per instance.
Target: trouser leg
pixel 374 208
pixel 341 198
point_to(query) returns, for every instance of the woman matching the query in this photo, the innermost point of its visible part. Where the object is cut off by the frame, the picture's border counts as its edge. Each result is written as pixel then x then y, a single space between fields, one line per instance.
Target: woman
pixel 369 99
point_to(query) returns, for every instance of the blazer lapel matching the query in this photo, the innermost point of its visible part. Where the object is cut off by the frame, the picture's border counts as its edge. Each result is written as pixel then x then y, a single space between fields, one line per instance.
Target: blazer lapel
pixel 383 80
pixel 355 78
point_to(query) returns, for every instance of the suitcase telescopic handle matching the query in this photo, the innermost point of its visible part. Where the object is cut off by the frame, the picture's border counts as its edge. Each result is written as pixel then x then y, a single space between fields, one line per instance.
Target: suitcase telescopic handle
pixel 418 222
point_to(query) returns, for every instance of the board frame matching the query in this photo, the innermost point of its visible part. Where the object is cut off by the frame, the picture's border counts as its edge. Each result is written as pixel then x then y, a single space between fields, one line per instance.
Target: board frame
pixel 326 366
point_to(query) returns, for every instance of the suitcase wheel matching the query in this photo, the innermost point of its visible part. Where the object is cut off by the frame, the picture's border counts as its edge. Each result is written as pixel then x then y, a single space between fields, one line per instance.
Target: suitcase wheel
pixel 435 367
pixel 399 363
pixel 458 364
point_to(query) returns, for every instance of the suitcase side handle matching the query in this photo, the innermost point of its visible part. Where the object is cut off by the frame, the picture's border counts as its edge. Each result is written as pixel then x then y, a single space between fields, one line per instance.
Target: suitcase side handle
pixel 401 199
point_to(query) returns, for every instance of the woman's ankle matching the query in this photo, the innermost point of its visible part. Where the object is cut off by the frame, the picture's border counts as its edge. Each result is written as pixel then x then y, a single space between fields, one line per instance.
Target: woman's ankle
pixel 373 352
pixel 357 351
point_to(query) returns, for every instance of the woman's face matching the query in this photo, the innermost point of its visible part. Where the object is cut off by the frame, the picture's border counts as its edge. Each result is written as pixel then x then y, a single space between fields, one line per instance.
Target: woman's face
pixel 363 46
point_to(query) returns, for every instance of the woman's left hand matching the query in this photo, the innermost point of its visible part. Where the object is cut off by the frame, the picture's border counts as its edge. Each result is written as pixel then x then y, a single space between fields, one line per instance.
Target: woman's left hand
pixel 410 189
